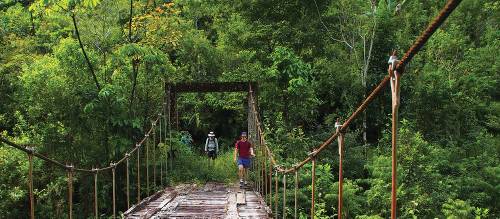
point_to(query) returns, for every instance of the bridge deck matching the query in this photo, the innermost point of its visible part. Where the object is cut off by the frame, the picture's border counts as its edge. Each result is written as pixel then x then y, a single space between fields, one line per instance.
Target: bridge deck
pixel 212 200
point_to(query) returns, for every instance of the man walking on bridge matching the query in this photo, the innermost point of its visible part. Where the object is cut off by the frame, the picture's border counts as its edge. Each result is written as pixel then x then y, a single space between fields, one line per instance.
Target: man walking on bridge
pixel 243 153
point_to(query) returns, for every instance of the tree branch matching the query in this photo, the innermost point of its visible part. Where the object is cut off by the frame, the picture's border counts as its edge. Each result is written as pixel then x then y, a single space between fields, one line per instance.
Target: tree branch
pixel 328 30
pixel 84 53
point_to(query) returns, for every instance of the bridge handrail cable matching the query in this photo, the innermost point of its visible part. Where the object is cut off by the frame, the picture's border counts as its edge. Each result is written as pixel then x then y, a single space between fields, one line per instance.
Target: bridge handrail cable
pixel 31 150
pixel 394 78
pixel 414 49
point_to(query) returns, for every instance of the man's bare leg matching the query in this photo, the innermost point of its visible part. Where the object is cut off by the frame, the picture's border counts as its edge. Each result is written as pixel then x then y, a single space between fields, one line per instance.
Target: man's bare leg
pixel 241 172
pixel 245 175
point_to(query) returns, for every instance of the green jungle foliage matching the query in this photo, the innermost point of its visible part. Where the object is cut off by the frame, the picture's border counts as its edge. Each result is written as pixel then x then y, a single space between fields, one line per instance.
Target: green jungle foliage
pixel 82 80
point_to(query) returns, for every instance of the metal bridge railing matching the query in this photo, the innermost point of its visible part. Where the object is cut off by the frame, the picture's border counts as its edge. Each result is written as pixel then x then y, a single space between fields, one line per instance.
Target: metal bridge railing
pixel 150 140
pixel 395 70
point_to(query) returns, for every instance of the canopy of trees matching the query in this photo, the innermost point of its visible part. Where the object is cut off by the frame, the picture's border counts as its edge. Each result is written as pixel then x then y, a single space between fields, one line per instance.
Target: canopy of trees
pixel 82 79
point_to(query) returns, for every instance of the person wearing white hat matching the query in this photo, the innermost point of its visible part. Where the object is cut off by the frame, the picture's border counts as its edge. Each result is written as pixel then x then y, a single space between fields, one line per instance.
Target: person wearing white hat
pixel 211 146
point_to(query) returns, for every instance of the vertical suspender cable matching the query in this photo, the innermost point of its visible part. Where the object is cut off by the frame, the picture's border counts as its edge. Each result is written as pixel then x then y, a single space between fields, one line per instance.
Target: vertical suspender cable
pixel 96 208
pixel 165 150
pixel 271 185
pixel 113 171
pixel 138 173
pixel 161 163
pixel 313 176
pixel 263 172
pixel 264 162
pixel 154 155
pixel 284 196
pixel 30 185
pixel 147 164
pixel 296 187
pixel 128 179
pixel 341 178
pixel 276 193
pixel 70 192
pixel 171 158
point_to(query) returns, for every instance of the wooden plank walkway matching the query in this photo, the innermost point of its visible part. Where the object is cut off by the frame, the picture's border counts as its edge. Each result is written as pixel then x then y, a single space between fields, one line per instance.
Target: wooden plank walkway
pixel 212 200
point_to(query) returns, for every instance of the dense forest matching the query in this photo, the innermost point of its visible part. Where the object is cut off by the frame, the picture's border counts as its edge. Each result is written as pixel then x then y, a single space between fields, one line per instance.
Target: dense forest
pixel 81 80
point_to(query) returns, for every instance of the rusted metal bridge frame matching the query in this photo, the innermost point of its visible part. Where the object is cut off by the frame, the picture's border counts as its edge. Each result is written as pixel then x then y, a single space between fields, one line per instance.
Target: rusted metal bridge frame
pixel 395 70
pixel 173 89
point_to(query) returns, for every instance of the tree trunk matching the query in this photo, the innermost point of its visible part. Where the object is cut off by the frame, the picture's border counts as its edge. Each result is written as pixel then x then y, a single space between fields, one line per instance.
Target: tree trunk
pixel 130 20
pixel 135 72
pixel 32 24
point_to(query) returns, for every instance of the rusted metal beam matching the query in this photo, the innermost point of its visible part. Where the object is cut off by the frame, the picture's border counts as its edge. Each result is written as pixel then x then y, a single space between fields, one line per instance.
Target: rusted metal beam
pixel 204 87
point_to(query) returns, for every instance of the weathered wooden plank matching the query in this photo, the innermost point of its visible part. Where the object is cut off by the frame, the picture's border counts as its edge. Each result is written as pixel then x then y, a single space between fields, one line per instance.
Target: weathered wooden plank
pixel 208 201
pixel 240 198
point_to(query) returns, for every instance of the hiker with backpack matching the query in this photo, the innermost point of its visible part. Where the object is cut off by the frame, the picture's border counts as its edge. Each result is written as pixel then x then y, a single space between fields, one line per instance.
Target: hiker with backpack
pixel 243 153
pixel 211 146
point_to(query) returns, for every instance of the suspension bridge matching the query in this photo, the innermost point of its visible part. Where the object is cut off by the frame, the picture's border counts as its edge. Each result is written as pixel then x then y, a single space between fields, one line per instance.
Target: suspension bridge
pixel 213 200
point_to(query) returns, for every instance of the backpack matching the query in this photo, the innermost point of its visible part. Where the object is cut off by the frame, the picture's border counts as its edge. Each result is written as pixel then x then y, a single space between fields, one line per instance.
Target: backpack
pixel 211 144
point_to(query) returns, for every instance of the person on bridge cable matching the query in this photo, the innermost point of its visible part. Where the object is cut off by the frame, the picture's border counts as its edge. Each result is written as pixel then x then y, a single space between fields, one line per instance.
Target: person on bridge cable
pixel 243 153
pixel 211 146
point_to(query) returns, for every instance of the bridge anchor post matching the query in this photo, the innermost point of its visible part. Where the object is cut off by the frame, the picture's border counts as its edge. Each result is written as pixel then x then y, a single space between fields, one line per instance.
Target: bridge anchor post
pixel 395 95
pixel 341 158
